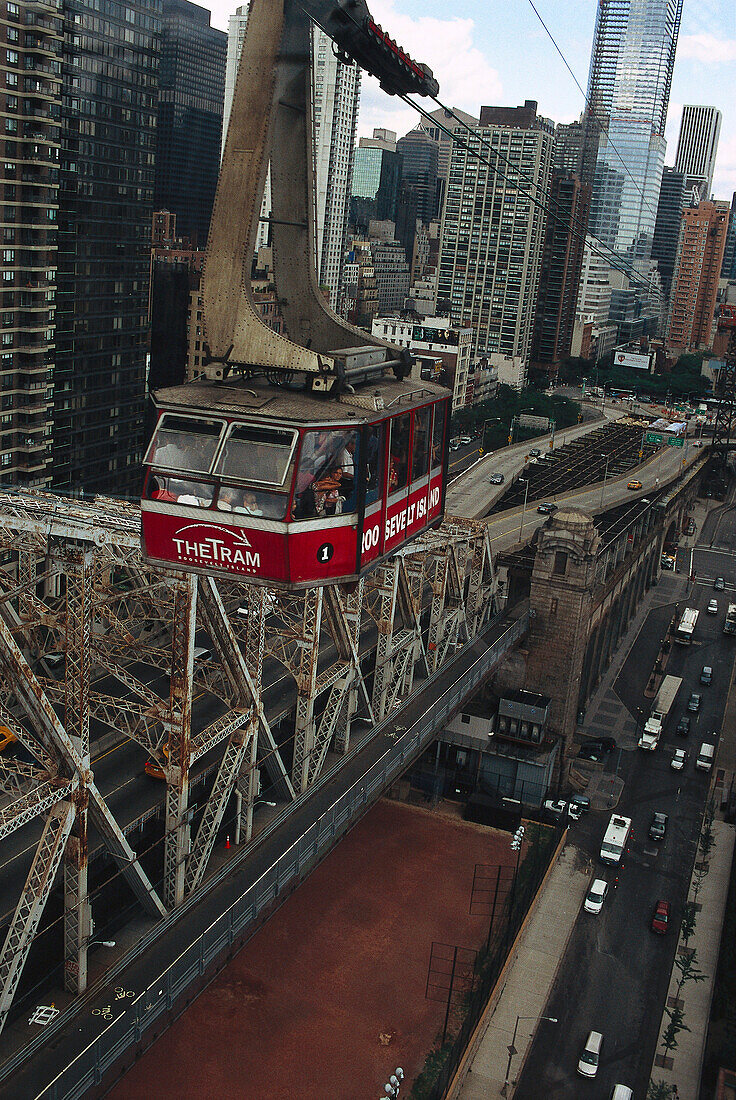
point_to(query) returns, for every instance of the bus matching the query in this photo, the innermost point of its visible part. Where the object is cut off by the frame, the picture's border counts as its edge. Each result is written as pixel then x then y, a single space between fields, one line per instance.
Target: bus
pixel 729 627
pixel 686 629
pixel 614 842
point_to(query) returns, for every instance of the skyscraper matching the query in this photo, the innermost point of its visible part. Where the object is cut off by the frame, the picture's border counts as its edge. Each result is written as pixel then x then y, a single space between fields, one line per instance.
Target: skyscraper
pixel 697 270
pixel 672 200
pixel 108 133
pixel 492 234
pixel 376 177
pixel 335 99
pixel 189 126
pixel 628 96
pixel 728 267
pixel 697 146
pixel 30 109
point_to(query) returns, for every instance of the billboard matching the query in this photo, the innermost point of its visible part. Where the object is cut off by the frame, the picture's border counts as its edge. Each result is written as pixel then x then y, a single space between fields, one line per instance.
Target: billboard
pixel 631 359
pixel 528 420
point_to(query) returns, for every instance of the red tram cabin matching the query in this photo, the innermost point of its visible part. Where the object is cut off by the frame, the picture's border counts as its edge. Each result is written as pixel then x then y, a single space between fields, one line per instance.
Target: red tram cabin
pixel 283 488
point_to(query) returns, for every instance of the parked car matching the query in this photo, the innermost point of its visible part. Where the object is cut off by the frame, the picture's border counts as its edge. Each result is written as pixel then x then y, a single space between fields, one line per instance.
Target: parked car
pixel 590 1057
pixel 608 744
pixel 706 675
pixel 596 896
pixel 547 508
pixel 658 826
pixel 559 808
pixel 683 726
pixel 634 484
pixel 596 754
pixel 666 562
pixel 581 801
pixel 465 440
pixel 693 702
pixel 712 607
pixel 679 759
pixel 496 479
pixel 719 584
pixel 690 529
pixel 661 917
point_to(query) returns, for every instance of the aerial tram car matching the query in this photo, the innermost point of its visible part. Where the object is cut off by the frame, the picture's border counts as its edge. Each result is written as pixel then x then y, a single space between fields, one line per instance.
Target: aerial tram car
pixel 302 460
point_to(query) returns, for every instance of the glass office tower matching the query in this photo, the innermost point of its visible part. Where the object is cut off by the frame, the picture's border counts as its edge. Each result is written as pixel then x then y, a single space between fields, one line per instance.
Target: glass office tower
pixel 628 95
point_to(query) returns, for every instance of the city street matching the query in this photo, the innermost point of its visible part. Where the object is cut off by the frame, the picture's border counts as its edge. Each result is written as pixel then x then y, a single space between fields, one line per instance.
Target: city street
pixel 615 972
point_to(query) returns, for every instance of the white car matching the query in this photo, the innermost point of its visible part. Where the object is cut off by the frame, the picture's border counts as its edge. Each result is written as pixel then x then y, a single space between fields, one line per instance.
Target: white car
pixel 496 479
pixel 713 607
pixel 559 808
pixel 678 760
pixel 596 896
pixel 465 440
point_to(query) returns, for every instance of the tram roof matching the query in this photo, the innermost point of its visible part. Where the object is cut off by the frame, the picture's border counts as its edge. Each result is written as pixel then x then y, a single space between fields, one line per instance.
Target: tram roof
pixel 256 397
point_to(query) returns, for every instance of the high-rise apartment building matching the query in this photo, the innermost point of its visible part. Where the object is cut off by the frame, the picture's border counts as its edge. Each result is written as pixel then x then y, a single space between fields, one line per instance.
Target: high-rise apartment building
pixel 376 177
pixel 419 189
pixel 108 133
pixel 30 109
pixel 697 270
pixel 569 141
pixel 189 125
pixel 492 234
pixel 672 202
pixel 559 281
pixel 335 99
pixel 728 267
pixel 697 146
pixel 443 130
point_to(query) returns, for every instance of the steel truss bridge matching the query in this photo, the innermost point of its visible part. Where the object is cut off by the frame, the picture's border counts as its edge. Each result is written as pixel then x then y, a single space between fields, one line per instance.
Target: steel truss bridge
pixel 77 587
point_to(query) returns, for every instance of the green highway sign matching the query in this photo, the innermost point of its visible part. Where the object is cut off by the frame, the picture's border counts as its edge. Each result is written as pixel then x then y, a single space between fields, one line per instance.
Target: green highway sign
pixel 675 441
pixel 657 439
pixel 653 437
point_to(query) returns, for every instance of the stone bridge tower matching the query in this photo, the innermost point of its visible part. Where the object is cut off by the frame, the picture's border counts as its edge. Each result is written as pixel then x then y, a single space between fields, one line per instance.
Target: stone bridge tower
pixel 561 599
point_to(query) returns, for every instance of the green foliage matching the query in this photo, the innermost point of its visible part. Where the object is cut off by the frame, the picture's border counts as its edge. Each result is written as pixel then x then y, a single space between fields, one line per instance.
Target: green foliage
pixel 674 1027
pixel 687 964
pixel 507 404
pixel 435 1060
pixel 659 1090
pixel 689 920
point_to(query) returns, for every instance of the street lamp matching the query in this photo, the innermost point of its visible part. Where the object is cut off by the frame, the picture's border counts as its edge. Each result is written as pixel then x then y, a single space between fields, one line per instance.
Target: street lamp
pixel 392 1086
pixel 605 477
pixel 523 511
pixel 512 1046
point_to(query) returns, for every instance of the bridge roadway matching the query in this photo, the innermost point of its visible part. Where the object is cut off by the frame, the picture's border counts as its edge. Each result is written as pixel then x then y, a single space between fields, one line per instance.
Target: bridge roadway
pixel 80 1044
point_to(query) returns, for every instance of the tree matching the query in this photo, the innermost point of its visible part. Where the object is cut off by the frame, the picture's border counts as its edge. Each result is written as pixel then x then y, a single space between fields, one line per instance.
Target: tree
pixel 687 964
pixel 659 1090
pixel 674 1027
pixel 689 920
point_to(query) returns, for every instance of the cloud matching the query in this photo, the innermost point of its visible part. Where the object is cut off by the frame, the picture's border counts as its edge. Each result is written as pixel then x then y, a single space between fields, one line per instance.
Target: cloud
pixel 465 76
pixel 707 48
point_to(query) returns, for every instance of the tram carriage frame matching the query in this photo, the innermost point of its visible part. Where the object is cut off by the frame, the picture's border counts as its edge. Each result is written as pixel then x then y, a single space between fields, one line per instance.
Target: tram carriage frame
pixel 246 480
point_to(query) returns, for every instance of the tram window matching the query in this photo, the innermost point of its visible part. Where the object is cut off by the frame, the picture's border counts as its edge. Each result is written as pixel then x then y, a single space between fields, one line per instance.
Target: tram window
pixel 420 443
pixel 325 483
pixel 176 490
pixel 260 455
pixel 252 502
pixel 183 443
pixel 438 435
pixel 374 437
pixel 398 468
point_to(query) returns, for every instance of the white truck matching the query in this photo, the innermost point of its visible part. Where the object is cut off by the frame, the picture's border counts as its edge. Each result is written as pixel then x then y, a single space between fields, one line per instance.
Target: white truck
pixel 661 707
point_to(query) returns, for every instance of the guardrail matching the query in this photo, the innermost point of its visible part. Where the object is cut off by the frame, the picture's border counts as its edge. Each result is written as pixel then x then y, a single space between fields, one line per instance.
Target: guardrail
pixel 132 1019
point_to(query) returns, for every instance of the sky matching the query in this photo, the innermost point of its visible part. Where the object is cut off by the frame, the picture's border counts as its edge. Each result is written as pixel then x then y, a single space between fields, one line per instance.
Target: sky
pixel 496 52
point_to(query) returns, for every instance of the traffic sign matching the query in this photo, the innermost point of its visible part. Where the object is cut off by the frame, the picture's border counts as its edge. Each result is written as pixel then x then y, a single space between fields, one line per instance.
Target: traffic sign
pixel 653 437
pixel 675 441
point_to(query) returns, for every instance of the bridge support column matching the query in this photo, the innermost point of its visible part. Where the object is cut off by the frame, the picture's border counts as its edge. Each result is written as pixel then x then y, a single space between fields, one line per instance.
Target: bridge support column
pixel 178 737
pixel 306 684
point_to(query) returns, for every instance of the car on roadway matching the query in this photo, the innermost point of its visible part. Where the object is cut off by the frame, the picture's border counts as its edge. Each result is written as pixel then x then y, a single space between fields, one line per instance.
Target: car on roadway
pixel 712 607
pixel 546 508
pixel 559 807
pixel 594 753
pixel 719 584
pixel 693 702
pixel 667 562
pixel 581 801
pixel 535 452
pixel 634 484
pixel 596 896
pixel 7 737
pixel 465 440
pixel 661 917
pixel 658 826
pixel 496 479
pixel 683 726
pixel 679 760
pixel 706 675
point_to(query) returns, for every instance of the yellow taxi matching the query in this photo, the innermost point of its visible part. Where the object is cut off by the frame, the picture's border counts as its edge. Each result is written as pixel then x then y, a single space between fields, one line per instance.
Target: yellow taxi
pixel 7 737
pixel 635 485
pixel 153 768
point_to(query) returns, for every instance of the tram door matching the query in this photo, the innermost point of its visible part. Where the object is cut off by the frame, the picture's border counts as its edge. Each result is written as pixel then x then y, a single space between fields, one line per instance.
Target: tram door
pixel 374 449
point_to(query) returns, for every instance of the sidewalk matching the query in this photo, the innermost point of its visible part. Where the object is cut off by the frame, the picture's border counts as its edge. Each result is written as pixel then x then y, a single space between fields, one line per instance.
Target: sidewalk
pixel 525 984
pixel 683 1066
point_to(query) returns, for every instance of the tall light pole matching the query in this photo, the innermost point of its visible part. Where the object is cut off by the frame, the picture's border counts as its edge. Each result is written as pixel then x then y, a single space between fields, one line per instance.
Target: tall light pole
pixel 523 510
pixel 512 1046
pixel 605 478
pixel 392 1086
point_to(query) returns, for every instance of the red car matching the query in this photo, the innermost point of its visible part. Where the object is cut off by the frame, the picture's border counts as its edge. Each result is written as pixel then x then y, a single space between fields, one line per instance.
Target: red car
pixel 661 917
